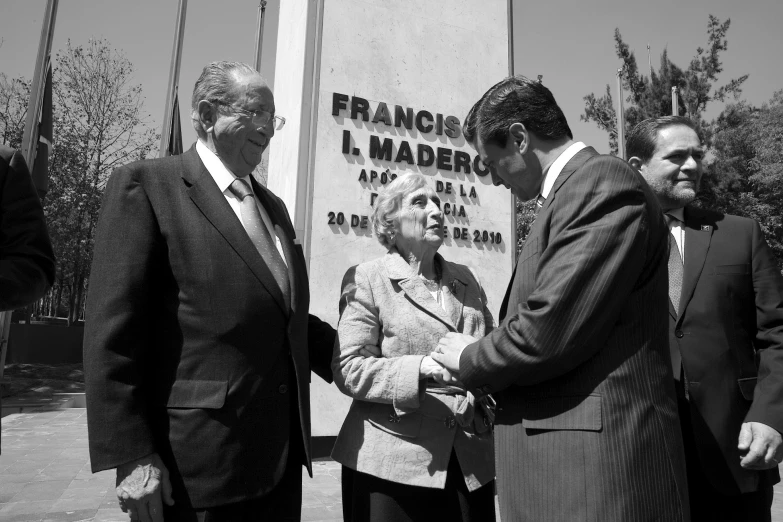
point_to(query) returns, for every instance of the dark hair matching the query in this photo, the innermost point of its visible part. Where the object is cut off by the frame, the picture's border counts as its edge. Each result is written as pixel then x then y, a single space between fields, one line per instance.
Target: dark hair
pixel 643 138
pixel 516 99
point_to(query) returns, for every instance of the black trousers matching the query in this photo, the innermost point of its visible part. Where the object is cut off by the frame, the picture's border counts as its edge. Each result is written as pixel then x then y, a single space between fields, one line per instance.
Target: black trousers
pixel 707 503
pixel 370 499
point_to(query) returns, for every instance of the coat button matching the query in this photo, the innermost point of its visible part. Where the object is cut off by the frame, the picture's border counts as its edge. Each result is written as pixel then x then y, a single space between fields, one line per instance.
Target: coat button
pixel 450 421
pixel 678 334
pixel 282 388
pixel 393 417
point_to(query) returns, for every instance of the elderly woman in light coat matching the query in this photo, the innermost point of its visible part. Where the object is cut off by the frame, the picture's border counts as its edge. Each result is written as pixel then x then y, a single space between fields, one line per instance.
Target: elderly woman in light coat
pixel 415 445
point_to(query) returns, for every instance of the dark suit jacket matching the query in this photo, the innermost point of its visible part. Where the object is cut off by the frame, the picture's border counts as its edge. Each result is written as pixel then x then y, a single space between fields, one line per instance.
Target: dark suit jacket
pixel 729 332
pixel 189 350
pixel 587 428
pixel 26 256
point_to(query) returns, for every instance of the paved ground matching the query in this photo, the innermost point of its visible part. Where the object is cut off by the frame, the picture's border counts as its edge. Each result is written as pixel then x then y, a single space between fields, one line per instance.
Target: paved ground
pixel 45 474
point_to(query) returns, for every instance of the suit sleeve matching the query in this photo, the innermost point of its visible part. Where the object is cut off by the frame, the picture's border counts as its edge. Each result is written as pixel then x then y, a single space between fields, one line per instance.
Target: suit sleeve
pixel 767 406
pixel 321 338
pixel 390 380
pixel 26 258
pixel 121 307
pixel 597 247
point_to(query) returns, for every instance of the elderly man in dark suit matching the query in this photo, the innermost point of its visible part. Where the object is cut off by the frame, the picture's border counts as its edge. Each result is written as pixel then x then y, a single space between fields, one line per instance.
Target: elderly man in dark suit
pixel 198 345
pixel 725 331
pixel 586 427
pixel 26 257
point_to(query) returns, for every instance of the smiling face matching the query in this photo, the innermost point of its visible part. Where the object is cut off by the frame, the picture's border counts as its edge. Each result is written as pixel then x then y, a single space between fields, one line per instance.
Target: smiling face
pixel 238 143
pixel 675 169
pixel 512 165
pixel 419 222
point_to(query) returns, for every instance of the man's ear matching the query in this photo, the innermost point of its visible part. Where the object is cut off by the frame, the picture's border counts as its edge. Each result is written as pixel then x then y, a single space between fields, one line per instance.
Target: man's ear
pixel 519 134
pixel 636 162
pixel 207 115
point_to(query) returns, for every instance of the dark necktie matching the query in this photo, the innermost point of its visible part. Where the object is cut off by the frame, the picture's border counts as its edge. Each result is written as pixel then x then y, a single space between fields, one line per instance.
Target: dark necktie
pixel 675 265
pixel 259 235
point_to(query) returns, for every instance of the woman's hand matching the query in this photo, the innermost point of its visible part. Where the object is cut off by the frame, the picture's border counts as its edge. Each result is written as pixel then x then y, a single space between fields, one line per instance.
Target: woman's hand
pixel 430 368
pixel 370 350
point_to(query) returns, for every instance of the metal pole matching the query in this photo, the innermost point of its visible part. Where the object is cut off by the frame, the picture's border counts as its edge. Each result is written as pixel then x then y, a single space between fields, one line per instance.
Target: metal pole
pixel 259 35
pixel 620 115
pixel 173 86
pixel 674 101
pixel 511 37
pixel 30 136
pixel 649 62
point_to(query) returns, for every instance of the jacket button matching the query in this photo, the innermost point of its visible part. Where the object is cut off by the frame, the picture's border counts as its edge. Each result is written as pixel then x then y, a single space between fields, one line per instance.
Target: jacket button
pixel 393 417
pixel 678 334
pixel 283 388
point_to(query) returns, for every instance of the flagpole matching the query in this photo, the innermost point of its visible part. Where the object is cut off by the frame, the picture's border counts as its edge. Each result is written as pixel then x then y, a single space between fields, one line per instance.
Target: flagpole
pixel 259 35
pixel 30 136
pixel 674 101
pixel 620 115
pixel 173 86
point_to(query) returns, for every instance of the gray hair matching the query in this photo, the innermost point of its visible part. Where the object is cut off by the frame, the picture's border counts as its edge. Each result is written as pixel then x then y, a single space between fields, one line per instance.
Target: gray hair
pixel 388 202
pixel 216 83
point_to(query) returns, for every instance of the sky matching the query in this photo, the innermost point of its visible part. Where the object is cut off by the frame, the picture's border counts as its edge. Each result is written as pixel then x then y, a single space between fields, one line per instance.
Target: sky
pixel 569 42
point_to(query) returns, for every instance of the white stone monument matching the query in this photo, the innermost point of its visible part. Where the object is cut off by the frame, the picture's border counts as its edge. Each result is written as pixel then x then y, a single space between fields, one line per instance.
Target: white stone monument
pixel 371 89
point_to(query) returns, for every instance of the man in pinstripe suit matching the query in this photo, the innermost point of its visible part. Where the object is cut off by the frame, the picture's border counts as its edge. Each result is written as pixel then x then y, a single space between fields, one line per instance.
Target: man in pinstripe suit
pixel 586 427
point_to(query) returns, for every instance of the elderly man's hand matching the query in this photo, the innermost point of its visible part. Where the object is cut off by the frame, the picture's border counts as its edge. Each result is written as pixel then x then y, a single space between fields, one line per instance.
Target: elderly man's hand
pixel 761 445
pixel 140 486
pixel 450 348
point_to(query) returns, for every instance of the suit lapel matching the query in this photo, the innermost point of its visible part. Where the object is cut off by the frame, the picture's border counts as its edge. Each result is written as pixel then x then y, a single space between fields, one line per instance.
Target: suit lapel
pixel 697 243
pixel 212 203
pixel 413 287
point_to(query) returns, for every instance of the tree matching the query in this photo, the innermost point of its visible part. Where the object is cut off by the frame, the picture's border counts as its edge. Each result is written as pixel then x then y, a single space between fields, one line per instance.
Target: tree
pixel 14 95
pixel 746 175
pixel 651 96
pixel 99 125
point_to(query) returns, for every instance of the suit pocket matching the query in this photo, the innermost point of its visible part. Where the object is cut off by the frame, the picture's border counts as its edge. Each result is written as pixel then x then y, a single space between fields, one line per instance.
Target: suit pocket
pixel 198 394
pixel 575 412
pixel 747 386
pixel 743 269
pixel 383 417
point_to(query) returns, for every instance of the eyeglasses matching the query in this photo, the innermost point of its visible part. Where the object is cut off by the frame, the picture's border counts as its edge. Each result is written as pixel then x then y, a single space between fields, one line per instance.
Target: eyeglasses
pixel 258 118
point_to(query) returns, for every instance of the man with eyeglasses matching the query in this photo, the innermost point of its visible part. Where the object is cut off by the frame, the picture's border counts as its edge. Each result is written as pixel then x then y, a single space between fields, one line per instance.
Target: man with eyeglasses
pixel 198 345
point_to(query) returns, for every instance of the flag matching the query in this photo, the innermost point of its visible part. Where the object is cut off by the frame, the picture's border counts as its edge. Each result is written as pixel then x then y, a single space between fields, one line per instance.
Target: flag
pixel 175 136
pixel 40 168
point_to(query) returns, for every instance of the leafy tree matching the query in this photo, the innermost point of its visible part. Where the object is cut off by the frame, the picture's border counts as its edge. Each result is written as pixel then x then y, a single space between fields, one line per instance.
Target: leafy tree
pixel 650 96
pixel 746 175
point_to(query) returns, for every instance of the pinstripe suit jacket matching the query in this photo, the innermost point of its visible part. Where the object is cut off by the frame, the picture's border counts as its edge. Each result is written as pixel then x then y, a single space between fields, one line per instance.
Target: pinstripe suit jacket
pixel 588 425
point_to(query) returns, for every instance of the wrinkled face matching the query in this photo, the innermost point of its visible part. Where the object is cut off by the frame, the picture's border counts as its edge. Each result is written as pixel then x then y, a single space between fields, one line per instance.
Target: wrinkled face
pixel 238 142
pixel 419 222
pixel 675 169
pixel 510 167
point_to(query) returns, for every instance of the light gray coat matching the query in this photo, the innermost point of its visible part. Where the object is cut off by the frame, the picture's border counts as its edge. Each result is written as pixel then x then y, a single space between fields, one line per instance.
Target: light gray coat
pixel 397 429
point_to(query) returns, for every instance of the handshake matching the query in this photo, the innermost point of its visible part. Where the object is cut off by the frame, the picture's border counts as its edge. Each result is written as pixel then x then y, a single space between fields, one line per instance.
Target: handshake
pixel 443 363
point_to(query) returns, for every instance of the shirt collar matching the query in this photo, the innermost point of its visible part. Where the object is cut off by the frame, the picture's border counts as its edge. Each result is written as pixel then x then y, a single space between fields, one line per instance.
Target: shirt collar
pixel 557 167
pixel 222 176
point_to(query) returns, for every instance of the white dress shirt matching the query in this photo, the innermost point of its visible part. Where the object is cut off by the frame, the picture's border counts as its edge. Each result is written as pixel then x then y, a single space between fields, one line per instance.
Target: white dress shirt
pixel 557 167
pixel 224 178
pixel 677 230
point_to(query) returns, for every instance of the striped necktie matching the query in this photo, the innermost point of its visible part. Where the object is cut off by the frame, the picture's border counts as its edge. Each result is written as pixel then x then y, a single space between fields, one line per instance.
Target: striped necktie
pixel 260 236
pixel 539 203
pixel 675 264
